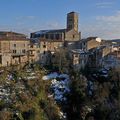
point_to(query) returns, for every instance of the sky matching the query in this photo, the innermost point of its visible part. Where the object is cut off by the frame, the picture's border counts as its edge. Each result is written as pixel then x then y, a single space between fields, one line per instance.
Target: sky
pixel 99 18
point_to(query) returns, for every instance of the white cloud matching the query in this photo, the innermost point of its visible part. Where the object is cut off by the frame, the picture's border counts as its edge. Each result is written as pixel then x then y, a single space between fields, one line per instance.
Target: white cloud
pixel 112 18
pixel 22 27
pixel 54 25
pixel 107 27
pixel 29 17
pixel 104 4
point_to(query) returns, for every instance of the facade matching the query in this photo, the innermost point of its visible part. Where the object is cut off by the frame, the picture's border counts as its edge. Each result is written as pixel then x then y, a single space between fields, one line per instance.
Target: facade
pixel 13 48
pixel 90 43
pixel 51 39
pixel 112 60
pixel 34 52
pixel 72 21
pixel 79 58
pixel 96 56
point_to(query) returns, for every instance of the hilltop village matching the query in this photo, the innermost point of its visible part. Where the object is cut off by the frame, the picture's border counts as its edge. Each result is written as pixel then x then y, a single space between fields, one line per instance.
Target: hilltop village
pixel 16 48
pixel 57 75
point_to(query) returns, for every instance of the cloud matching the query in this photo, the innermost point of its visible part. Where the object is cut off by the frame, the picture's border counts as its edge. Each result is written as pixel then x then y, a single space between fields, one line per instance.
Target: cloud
pixel 54 25
pixel 112 18
pixel 30 17
pixel 22 27
pixel 104 4
pixel 22 21
pixel 107 27
pixel 101 30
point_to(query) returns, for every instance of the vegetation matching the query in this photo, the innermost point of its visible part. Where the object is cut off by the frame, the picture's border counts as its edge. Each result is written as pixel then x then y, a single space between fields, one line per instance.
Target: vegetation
pixel 28 99
pixel 105 99
pixel 77 97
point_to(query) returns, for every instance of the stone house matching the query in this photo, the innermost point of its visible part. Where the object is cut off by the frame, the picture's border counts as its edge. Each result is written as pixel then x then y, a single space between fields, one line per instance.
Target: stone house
pixel 13 48
pixel 90 43
pixel 96 56
pixel 79 58
pixel 34 52
pixel 112 59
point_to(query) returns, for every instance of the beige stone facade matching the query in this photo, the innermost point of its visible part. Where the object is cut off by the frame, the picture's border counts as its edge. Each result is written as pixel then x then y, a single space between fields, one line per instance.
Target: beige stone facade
pixel 72 35
pixel 72 21
pixel 34 52
pixel 79 58
pixel 97 55
pixel 13 48
pixel 5 59
pixel 49 45
pixel 106 50
pixel 90 43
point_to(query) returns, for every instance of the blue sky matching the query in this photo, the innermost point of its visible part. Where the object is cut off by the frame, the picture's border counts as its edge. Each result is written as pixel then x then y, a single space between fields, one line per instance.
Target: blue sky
pixel 96 17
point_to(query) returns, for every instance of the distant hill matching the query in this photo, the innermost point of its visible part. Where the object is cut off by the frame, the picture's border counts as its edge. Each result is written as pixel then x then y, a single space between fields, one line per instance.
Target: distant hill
pixel 115 40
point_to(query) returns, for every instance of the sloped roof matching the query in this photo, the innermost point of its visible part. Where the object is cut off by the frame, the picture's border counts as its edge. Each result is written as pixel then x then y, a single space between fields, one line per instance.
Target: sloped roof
pixel 6 35
pixel 10 32
pixel 49 31
pixel 88 39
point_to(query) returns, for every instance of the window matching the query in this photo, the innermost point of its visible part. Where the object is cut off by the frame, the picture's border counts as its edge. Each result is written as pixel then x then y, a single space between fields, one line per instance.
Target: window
pixel 42 35
pixel 70 19
pixel 70 27
pixel 51 36
pixel 73 36
pixel 31 46
pixel 39 35
pixel 23 51
pixel 76 55
pixel 44 52
pixel 44 46
pixel 14 45
pixel 46 36
pixel 57 36
pixel 38 46
pixel 31 52
pixel 38 51
pixel 14 51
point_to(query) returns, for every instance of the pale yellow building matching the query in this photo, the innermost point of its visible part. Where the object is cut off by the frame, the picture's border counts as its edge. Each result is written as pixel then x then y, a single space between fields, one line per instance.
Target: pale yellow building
pixel 13 48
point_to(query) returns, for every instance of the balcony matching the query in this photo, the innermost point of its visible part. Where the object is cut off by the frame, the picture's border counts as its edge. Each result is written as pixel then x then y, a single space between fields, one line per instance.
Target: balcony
pixel 18 54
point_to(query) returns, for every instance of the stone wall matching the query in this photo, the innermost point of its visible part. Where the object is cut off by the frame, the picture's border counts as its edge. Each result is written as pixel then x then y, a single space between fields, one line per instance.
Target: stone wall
pixel 4 46
pixel 49 45
pixel 92 44
pixel 6 59
pixel 72 35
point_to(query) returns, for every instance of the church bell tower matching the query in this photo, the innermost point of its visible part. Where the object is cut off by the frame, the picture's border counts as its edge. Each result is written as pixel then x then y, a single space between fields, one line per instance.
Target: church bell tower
pixel 72 21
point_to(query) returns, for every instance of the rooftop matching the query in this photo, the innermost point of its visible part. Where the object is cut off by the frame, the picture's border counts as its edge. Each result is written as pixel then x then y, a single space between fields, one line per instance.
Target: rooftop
pixel 8 35
pixel 50 31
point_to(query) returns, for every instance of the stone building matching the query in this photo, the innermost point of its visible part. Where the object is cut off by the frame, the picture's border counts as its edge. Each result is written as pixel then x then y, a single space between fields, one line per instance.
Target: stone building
pixel 97 55
pixel 112 59
pixel 79 58
pixel 13 48
pixel 90 43
pixel 34 52
pixel 52 39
